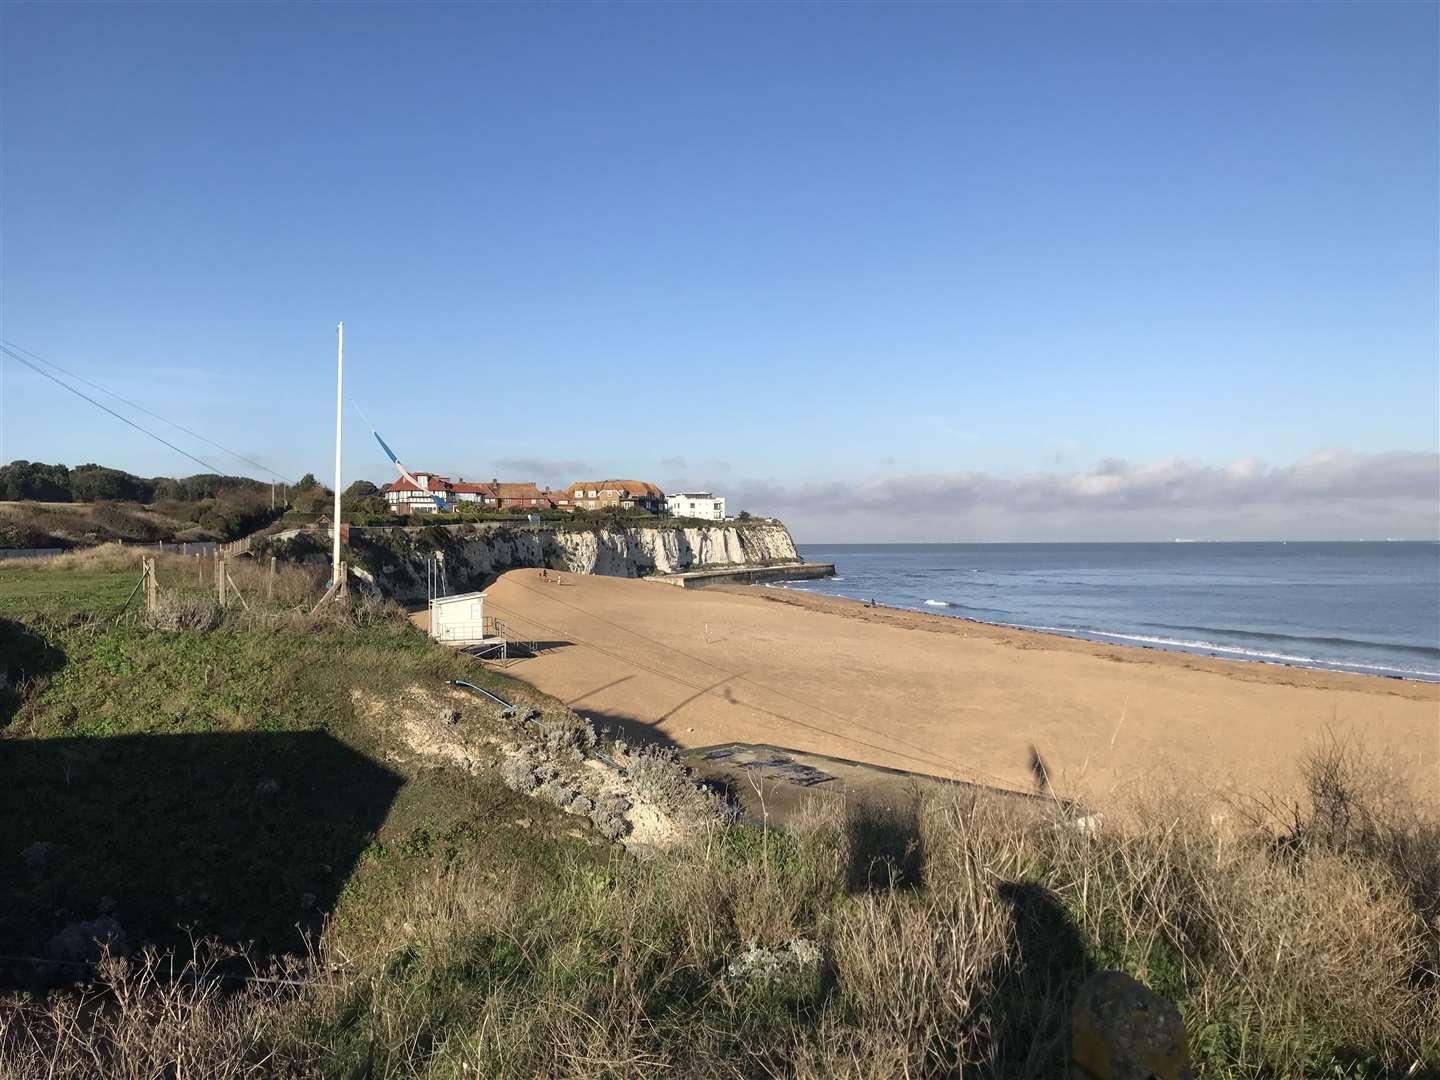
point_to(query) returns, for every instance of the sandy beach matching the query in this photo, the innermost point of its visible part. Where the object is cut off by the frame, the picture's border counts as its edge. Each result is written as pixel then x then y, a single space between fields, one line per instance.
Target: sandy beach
pixel 933 694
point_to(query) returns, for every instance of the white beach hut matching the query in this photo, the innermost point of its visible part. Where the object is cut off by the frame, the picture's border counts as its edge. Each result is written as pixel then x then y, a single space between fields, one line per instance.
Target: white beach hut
pixel 459 619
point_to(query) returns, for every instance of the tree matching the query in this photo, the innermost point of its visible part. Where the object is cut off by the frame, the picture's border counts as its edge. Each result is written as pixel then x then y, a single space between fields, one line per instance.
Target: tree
pixel 372 505
pixel 313 498
pixel 34 480
pixel 307 481
pixel 360 489
pixel 94 483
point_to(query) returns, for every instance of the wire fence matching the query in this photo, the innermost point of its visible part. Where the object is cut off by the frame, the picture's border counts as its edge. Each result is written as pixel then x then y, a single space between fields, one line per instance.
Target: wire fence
pixel 29 553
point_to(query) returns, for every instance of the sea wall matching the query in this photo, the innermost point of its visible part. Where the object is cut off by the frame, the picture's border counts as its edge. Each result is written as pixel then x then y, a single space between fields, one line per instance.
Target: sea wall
pixel 395 560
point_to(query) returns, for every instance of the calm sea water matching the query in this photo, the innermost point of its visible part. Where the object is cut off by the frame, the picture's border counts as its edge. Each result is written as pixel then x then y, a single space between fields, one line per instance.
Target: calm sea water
pixel 1366 607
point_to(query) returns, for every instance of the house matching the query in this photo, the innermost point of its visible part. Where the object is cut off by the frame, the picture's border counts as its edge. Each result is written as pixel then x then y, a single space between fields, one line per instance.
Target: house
pixel 406 498
pixel 602 494
pixel 696 504
pixel 504 496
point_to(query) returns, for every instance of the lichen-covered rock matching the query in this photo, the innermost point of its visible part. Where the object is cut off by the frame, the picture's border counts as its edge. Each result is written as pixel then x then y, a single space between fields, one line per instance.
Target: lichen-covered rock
pixel 562 795
pixel 518 774
pixel 1123 1030
pixel 612 827
pixel 579 805
pixel 758 964
pixel 613 803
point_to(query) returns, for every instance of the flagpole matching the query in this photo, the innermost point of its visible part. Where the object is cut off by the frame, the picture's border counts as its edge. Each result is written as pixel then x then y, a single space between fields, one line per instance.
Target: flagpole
pixel 339 421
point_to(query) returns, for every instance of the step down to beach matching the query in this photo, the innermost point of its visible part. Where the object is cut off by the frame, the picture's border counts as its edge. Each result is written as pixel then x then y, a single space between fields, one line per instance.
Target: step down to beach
pixel 747 575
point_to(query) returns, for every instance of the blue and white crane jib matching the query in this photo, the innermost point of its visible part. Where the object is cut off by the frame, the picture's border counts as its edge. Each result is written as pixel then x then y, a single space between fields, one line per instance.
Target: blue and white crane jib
pixel 438 500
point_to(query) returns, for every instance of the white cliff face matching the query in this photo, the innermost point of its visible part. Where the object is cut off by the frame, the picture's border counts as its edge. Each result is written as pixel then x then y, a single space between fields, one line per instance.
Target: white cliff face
pixel 475 555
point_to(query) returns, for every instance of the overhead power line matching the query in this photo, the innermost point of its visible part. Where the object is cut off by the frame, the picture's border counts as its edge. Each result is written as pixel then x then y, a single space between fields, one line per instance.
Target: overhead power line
pixel 124 419
pixel 147 412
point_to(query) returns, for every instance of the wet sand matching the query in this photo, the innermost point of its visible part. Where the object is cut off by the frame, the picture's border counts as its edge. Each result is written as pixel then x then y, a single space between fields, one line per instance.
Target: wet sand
pixel 934 694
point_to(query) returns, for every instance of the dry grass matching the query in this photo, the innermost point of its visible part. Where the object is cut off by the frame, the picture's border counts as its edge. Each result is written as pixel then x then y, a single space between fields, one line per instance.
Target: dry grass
pixel 291 583
pixel 1298 953
pixel 150 1017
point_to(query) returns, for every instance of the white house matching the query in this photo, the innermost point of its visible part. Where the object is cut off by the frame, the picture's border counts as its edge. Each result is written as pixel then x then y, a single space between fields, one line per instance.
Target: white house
pixel 405 498
pixel 696 504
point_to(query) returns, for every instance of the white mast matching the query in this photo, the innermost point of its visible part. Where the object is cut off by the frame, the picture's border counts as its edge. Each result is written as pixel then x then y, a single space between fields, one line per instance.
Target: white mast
pixel 339 420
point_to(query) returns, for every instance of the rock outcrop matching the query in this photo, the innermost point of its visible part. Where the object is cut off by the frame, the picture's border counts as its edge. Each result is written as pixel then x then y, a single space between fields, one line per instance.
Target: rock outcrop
pixel 394 560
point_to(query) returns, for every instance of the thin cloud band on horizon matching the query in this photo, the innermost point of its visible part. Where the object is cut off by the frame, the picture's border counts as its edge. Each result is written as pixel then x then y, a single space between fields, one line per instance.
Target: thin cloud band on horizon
pixel 1331 493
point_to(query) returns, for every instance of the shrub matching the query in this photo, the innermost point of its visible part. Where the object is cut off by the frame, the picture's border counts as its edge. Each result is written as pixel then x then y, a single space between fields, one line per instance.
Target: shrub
pixel 180 611
pixel 518 774
pixel 661 778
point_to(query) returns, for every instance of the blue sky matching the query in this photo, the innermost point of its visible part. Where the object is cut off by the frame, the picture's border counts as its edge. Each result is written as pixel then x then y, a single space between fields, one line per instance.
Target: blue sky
pixel 778 250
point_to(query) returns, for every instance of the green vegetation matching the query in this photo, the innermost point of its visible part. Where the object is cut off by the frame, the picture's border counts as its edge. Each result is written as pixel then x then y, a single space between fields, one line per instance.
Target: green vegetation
pixel 67 525
pixel 35 481
pixel 55 506
pixel 477 932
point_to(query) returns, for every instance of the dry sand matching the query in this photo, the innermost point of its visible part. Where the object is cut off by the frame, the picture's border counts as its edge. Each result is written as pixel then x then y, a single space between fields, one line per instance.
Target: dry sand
pixel 934 694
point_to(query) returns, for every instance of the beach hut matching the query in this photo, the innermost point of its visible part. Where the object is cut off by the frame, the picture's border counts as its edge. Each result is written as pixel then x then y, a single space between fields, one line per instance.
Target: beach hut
pixel 459 619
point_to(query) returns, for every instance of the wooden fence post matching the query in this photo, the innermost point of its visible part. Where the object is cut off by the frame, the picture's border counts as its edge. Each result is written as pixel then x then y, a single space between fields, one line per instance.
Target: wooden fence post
pixel 270 580
pixel 152 599
pixel 219 579
pixel 235 589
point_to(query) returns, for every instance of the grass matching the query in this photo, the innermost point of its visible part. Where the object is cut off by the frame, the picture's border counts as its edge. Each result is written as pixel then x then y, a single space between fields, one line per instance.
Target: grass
pixel 162 745
pixel 475 932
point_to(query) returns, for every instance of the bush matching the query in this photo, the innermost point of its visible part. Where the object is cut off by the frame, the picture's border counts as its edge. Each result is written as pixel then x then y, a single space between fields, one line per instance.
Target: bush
pixel 177 611
pixel 18 534
pixel 660 777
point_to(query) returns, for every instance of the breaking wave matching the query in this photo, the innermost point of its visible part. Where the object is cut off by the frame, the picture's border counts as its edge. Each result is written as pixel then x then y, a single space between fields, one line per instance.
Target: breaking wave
pixel 1195 644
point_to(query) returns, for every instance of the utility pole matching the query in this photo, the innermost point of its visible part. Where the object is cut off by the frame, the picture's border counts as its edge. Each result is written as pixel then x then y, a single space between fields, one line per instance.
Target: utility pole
pixel 339 421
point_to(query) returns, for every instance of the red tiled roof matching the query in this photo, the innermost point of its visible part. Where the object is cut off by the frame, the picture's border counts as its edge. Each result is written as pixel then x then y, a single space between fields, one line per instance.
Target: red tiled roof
pixel 501 489
pixel 634 489
pixel 438 484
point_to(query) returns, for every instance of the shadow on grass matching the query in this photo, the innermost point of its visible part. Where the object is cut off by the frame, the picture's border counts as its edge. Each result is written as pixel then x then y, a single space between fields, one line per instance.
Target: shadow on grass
pixel 1029 1013
pixel 24 656
pixel 248 837
pixel 885 847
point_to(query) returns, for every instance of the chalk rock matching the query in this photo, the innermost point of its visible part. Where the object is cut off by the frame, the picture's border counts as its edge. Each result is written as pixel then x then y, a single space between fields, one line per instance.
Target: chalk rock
pixel 475 554
pixel 1123 1030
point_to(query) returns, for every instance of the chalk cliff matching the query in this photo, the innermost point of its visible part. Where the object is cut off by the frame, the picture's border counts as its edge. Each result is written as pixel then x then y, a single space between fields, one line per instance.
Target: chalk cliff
pixel 474 555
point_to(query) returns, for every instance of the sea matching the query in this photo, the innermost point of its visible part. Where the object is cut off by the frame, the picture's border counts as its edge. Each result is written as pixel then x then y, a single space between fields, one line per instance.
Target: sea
pixel 1371 608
